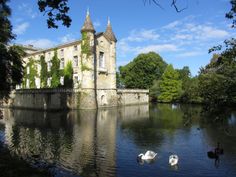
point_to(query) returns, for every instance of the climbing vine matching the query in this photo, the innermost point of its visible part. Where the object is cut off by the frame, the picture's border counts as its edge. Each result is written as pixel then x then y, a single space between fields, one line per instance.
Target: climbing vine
pixel 68 75
pixel 31 65
pixel 43 72
pixel 85 47
pixel 55 71
pixel 84 67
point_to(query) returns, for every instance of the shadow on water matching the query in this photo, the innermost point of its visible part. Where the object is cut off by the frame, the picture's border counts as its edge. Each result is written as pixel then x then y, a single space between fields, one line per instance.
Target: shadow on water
pixel 106 142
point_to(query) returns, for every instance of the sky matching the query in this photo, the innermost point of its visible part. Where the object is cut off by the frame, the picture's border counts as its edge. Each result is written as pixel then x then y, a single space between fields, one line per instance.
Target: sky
pixel 181 39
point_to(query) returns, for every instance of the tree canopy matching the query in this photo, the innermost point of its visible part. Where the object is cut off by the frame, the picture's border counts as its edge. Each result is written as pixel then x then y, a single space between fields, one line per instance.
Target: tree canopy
pixel 170 85
pixel 142 71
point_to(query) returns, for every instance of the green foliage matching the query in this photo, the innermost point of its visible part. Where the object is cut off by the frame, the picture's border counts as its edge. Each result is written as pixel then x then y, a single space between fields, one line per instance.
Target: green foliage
pixel 68 75
pixel 191 91
pixel 6 34
pixel 119 83
pixel 56 10
pixel 43 72
pixel 170 86
pixel 142 71
pixel 32 73
pixel 11 66
pixel 85 68
pixel 217 81
pixel 85 47
pixel 155 91
pixel 55 71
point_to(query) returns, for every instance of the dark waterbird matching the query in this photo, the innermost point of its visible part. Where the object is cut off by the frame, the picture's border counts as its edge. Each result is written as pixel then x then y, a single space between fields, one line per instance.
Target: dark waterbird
pixel 215 154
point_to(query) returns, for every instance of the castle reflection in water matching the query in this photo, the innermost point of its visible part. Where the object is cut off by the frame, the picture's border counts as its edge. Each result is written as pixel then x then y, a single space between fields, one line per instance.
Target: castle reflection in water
pixel 83 142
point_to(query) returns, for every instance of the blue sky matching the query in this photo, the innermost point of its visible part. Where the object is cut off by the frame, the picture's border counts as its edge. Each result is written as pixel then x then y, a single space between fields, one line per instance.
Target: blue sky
pixel 182 39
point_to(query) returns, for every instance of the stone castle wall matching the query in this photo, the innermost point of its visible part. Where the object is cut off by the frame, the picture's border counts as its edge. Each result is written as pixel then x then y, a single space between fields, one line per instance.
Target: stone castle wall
pixel 132 96
pixel 56 99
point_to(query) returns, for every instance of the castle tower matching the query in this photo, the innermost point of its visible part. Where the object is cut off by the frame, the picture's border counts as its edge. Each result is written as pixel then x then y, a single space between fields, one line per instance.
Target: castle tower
pixel 88 86
pixel 112 54
pixel 106 75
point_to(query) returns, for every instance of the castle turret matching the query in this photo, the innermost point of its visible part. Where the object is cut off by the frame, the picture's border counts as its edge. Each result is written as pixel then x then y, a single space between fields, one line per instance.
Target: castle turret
pixel 88 25
pixel 88 83
pixel 109 33
pixel 112 53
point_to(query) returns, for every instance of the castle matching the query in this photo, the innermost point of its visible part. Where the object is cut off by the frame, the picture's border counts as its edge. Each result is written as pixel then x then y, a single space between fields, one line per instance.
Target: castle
pixel 94 69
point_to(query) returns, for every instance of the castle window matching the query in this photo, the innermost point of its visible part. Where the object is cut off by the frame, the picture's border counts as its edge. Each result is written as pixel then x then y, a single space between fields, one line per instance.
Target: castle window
pixel 27 70
pixel 101 43
pixel 49 64
pixel 37 82
pixel 49 55
pixel 62 63
pixel 49 80
pixel 62 80
pixel 62 52
pixel 75 48
pixel 38 68
pixel 27 83
pixel 101 60
pixel 91 43
pixel 75 61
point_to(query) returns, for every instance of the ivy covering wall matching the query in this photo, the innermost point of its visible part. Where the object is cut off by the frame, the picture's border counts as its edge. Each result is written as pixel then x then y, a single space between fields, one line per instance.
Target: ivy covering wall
pixel 85 50
pixel 55 71
pixel 68 75
pixel 43 72
pixel 32 67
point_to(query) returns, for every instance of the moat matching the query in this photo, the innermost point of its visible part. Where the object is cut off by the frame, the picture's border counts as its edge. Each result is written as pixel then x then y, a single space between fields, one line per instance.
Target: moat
pixel 106 142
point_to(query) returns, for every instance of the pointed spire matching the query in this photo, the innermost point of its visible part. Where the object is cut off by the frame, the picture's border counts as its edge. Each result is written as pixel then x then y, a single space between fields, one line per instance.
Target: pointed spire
pixel 88 25
pixel 109 33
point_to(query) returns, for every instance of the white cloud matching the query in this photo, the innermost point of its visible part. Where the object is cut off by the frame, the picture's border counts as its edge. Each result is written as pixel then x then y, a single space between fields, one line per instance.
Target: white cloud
pixel 183 37
pixel 210 32
pixel 40 43
pixel 67 38
pixel 157 48
pixel 21 28
pixel 142 35
pixel 172 25
pixel 190 54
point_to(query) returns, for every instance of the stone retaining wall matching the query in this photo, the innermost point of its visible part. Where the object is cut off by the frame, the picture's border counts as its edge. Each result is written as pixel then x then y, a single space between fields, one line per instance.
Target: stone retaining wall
pixel 55 99
pixel 132 96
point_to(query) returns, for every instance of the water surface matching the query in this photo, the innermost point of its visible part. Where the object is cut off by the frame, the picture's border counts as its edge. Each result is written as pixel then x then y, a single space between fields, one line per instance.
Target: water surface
pixel 106 142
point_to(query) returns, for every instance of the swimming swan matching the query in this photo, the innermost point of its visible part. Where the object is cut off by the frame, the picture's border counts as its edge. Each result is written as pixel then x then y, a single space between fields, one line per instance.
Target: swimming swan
pixel 149 155
pixel 173 160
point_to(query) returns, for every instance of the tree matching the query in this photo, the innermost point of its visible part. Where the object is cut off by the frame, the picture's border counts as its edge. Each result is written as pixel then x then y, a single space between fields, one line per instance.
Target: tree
pixel 31 73
pixel 217 81
pixel 11 69
pixel 155 90
pixel 68 75
pixel 170 85
pixel 56 10
pixel 43 72
pixel 55 71
pixel 142 71
pixel 191 91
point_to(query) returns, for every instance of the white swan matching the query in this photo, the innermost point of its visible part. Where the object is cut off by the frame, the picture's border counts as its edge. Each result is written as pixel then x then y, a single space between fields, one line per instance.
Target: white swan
pixel 149 155
pixel 173 160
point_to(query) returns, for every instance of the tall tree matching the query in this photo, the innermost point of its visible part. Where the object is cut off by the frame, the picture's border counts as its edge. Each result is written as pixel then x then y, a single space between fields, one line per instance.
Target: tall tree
pixel 11 69
pixel 43 72
pixel 68 75
pixel 142 71
pixel 217 81
pixel 55 71
pixel 170 85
